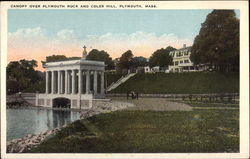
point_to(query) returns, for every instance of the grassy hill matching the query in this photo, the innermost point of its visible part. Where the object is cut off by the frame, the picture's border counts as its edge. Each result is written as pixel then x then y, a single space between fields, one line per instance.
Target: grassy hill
pixel 182 83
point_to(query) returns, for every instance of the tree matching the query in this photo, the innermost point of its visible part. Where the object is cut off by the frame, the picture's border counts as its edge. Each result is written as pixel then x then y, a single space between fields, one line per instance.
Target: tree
pixel 101 56
pixel 139 61
pixel 161 57
pixel 125 61
pixel 21 75
pixel 217 44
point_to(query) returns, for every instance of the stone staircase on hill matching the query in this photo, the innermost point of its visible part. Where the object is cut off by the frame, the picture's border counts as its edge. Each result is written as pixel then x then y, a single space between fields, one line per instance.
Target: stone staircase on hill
pixel 120 81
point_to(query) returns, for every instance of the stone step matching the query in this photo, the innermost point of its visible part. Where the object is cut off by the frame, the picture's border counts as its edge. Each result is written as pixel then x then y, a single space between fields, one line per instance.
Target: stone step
pixel 120 81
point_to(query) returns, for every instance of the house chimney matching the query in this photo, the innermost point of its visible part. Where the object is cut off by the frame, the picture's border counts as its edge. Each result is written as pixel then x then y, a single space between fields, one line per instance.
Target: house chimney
pixel 184 45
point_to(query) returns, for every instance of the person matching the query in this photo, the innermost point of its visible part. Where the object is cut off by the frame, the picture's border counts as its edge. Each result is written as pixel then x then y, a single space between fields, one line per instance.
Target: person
pixel 137 95
pixel 133 95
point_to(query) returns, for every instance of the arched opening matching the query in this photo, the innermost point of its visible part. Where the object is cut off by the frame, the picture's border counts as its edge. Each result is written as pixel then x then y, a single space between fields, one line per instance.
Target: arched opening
pixel 61 103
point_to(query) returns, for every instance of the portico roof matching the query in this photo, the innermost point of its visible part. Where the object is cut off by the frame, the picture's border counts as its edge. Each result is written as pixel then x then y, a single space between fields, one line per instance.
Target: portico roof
pixel 81 62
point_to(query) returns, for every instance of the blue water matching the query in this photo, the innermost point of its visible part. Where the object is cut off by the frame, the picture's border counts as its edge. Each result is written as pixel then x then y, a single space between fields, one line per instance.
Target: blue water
pixel 21 122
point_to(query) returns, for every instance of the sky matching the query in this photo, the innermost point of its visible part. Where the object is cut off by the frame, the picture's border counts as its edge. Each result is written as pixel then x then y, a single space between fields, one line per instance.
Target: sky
pixel 35 34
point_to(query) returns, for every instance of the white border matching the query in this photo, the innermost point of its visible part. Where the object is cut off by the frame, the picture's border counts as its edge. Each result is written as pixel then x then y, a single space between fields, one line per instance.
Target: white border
pixel 244 79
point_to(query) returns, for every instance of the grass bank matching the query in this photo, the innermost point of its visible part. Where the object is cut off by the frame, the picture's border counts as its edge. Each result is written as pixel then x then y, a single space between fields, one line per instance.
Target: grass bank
pixel 181 83
pixel 149 131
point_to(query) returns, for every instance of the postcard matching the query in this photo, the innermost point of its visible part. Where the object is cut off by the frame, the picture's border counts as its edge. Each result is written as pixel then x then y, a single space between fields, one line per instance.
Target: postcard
pixel 125 79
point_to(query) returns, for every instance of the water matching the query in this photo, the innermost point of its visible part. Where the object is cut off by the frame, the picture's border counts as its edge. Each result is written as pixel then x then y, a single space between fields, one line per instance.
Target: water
pixel 21 122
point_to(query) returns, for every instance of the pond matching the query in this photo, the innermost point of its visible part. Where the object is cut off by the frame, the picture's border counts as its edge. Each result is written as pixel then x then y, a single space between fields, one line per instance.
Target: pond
pixel 21 122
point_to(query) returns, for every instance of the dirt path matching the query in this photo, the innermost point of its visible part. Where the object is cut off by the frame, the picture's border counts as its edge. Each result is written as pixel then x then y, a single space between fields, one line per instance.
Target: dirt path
pixel 157 104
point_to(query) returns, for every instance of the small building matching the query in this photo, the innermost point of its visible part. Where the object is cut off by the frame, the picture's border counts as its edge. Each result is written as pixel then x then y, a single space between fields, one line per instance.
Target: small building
pixel 155 69
pixel 73 83
pixel 181 60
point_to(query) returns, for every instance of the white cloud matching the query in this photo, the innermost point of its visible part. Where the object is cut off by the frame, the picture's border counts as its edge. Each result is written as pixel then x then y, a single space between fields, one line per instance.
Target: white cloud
pixel 141 43
pixel 66 34
pixel 28 32
pixel 66 42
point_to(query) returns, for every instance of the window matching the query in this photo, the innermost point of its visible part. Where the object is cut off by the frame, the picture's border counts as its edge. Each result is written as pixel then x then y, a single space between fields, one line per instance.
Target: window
pixel 186 61
pixel 176 63
pixel 172 54
pixel 181 61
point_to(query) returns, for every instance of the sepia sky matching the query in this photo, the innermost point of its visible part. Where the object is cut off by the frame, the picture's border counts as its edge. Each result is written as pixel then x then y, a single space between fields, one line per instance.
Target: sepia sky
pixel 35 34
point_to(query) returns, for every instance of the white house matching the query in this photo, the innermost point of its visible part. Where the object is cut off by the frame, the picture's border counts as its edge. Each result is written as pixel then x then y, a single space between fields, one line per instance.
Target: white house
pixel 181 60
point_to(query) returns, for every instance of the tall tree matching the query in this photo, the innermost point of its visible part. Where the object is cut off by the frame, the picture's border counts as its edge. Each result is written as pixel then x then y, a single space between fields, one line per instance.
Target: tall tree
pixel 139 61
pixel 21 75
pixel 125 61
pixel 218 41
pixel 101 56
pixel 161 57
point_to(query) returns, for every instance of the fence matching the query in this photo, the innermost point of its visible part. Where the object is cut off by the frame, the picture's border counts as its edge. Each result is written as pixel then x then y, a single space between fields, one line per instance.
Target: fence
pixel 191 97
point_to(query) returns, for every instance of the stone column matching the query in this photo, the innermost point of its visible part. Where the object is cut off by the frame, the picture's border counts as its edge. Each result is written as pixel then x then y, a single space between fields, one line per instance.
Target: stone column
pixel 53 82
pixel 95 82
pixel 87 82
pixel 69 84
pixel 73 81
pixel 80 81
pixel 58 82
pixel 102 83
pixel 47 82
pixel 61 82
pixel 66 82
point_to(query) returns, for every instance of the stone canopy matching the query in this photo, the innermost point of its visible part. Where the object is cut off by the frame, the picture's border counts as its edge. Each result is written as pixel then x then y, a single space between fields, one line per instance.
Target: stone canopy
pixel 74 80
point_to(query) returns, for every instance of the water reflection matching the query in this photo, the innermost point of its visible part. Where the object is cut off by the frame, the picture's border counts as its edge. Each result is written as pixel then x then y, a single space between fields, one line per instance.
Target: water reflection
pixel 21 122
pixel 60 117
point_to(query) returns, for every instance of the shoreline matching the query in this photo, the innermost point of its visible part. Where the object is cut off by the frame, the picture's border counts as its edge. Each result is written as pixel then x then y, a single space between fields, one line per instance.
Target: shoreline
pixel 29 141
pixel 24 144
pixel 48 108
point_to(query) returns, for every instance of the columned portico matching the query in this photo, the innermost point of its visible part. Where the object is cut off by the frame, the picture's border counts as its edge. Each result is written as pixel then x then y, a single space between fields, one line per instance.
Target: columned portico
pixel 71 80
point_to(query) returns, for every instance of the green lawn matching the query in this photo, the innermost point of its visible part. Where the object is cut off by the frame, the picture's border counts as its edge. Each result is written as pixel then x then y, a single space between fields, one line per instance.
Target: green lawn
pixel 181 83
pixel 149 131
